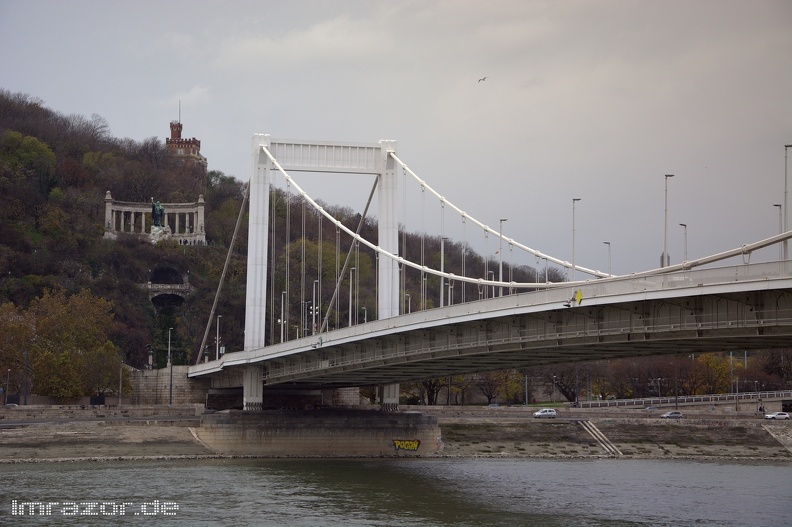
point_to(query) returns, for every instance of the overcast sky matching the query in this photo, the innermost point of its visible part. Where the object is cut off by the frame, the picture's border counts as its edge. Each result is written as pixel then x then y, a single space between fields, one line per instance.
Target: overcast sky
pixel 595 100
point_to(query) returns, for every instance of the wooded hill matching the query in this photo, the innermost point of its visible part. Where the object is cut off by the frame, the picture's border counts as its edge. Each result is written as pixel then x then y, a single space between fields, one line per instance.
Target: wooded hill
pixel 54 172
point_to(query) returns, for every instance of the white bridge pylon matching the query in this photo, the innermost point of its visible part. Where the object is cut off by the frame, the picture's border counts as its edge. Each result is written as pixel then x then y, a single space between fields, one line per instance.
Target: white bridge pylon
pixel 312 156
pixel 379 159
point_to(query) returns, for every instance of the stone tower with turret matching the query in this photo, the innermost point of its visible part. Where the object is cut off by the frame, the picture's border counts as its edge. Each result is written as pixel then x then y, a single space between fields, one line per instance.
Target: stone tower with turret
pixel 189 150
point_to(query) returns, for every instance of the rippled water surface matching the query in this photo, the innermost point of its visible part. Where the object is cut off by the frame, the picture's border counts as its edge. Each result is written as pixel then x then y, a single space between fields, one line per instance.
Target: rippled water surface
pixel 405 492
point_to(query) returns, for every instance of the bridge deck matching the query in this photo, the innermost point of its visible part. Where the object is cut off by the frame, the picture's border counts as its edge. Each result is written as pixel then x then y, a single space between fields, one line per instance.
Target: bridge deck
pixel 732 308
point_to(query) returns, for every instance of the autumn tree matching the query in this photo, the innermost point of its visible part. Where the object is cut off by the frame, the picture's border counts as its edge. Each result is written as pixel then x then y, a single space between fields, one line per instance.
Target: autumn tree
pixel 64 341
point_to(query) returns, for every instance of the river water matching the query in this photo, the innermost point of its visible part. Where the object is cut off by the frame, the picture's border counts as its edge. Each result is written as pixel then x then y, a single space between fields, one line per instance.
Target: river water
pixel 398 492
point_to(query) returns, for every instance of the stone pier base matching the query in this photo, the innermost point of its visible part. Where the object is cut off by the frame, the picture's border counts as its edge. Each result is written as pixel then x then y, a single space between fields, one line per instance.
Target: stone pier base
pixel 320 433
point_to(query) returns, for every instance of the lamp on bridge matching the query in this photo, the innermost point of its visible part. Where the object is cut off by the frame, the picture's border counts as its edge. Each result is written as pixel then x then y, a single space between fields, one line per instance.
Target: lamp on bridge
pixel 573 237
pixel 780 230
pixel 684 226
pixel 170 365
pixel 786 204
pixel 609 256
pixel 217 339
pixel 665 260
pixel 500 256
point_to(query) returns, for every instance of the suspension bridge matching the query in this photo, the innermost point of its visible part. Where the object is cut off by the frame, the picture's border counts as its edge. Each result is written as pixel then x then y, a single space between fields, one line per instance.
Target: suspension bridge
pixel 419 321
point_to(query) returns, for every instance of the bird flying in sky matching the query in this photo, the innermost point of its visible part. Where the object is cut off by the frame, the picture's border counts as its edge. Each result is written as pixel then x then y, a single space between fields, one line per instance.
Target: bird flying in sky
pixel 482 79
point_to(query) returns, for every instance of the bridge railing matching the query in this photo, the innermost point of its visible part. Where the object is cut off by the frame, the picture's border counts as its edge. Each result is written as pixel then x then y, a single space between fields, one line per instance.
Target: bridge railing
pixel 688 399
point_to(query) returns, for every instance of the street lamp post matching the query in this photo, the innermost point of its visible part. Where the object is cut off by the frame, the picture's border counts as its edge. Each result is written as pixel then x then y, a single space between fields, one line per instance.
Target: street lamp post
pixel 684 226
pixel 552 393
pixel 665 260
pixel 500 255
pixel 492 279
pixel 786 203
pixel 574 268
pixel 365 315
pixel 170 365
pixel 217 338
pixel 609 256
pixel 409 303
pixel 8 383
pixel 780 228
pixel 120 377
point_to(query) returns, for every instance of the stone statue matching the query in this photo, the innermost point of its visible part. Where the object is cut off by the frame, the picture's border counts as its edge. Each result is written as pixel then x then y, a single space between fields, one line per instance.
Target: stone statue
pixel 157 213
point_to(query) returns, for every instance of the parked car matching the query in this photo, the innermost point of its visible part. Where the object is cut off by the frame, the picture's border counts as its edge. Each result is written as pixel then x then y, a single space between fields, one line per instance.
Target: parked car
pixel 777 415
pixel 672 415
pixel 545 412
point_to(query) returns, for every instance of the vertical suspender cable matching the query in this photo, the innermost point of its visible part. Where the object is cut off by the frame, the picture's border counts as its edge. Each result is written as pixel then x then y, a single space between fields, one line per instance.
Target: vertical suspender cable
pixel 423 236
pixel 464 254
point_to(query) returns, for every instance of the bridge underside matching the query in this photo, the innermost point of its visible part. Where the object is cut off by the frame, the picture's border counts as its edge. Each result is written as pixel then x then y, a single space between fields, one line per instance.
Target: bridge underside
pixel 526 338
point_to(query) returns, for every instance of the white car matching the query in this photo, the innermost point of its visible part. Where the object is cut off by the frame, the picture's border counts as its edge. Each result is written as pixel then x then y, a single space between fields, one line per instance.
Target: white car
pixel 776 415
pixel 545 412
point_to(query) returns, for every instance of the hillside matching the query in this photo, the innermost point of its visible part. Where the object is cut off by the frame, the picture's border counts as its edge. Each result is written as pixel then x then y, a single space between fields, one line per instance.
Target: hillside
pixel 54 172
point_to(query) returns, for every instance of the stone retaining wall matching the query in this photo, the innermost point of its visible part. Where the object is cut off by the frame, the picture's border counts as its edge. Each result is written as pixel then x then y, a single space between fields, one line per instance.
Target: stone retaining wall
pixel 320 433
pixel 153 387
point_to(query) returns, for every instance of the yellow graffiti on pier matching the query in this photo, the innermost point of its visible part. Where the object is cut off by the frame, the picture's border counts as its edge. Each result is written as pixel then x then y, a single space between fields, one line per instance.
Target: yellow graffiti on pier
pixel 407 444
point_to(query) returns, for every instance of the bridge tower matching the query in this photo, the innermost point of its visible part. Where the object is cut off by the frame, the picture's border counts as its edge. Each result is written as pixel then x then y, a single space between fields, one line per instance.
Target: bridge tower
pixel 312 156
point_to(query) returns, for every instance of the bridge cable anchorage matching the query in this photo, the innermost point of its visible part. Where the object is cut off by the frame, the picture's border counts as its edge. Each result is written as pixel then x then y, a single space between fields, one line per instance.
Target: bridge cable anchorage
pixel 223 274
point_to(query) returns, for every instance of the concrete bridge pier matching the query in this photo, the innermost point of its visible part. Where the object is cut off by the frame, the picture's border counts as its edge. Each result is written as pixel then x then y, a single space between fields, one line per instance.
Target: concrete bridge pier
pixel 252 388
pixel 390 397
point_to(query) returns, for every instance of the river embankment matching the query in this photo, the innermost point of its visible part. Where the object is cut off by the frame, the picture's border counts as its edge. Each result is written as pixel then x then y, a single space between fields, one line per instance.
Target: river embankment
pixel 70 434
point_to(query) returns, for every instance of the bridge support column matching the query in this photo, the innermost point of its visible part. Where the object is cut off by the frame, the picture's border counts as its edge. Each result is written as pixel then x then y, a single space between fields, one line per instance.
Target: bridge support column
pixel 388 233
pixel 389 279
pixel 252 388
pixel 390 397
pixel 258 230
